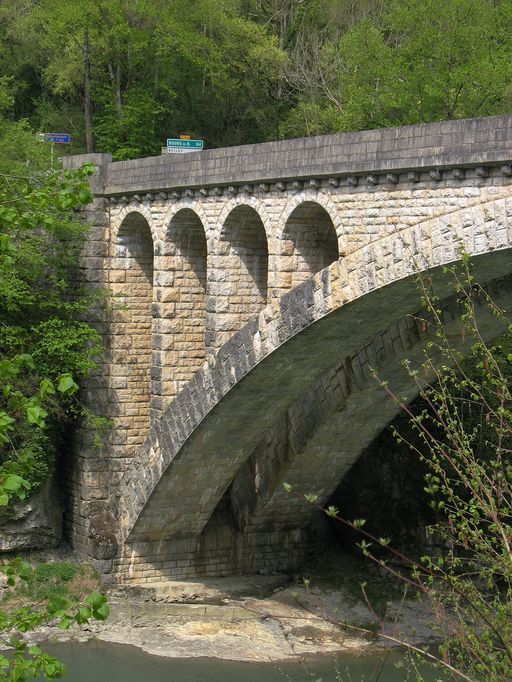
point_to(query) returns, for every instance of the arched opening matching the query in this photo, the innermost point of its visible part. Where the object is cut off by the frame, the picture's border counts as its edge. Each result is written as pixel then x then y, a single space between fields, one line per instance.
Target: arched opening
pixel 131 279
pixel 238 282
pixel 181 303
pixel 309 244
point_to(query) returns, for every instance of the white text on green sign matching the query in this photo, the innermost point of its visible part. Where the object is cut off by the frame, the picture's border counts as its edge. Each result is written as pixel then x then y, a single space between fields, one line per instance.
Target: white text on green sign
pixel 185 144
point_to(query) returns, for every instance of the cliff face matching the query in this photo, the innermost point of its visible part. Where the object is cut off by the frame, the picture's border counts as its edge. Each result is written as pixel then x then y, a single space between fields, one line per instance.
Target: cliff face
pixel 35 523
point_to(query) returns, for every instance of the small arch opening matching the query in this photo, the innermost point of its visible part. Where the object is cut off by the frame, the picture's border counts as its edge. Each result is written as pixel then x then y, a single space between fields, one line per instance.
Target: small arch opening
pixel 238 287
pixel 181 297
pixel 309 244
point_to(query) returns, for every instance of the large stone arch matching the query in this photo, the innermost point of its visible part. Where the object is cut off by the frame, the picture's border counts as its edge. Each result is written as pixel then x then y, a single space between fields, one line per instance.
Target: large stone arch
pixel 309 241
pixel 130 338
pixel 189 461
pixel 238 273
pixel 319 437
pixel 180 303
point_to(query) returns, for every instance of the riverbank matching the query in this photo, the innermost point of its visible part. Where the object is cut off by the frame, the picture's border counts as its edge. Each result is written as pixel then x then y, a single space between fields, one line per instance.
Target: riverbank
pixel 248 618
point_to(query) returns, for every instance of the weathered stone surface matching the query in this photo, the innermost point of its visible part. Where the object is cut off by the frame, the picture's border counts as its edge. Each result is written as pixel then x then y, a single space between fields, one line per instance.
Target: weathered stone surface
pixel 33 524
pixel 102 536
pixel 179 620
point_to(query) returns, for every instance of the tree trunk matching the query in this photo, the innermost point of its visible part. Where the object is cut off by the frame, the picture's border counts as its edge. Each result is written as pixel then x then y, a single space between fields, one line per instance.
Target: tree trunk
pixel 89 141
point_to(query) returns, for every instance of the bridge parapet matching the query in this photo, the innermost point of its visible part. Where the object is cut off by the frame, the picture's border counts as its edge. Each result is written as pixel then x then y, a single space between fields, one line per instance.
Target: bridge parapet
pixel 383 157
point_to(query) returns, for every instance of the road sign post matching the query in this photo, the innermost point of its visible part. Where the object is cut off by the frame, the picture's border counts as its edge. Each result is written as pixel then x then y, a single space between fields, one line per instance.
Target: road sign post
pixel 56 138
pixel 181 146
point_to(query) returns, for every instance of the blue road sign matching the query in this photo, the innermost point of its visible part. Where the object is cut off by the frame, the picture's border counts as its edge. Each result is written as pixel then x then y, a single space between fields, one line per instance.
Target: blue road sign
pixel 58 138
pixel 192 145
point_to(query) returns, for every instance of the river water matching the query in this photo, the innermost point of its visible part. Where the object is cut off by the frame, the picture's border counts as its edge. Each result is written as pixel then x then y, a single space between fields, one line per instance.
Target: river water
pixel 100 662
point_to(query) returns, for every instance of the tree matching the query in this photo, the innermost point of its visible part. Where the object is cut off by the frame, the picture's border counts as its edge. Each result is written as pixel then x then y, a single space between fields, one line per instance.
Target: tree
pixel 44 344
pixel 43 349
pixel 411 62
pixel 123 76
pixel 465 439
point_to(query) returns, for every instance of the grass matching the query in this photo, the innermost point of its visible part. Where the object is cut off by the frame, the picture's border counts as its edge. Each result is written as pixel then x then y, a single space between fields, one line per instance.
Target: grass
pixel 52 579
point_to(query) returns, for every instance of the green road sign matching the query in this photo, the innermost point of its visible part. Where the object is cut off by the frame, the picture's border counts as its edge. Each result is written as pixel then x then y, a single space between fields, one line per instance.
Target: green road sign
pixel 192 145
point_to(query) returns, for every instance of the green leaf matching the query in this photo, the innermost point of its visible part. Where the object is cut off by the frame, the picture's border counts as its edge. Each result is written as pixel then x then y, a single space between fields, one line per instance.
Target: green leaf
pixel 46 388
pixel 96 600
pixel 56 603
pixel 66 384
pixel 5 421
pixel 85 195
pixel 12 483
pixel 36 414
pixel 101 613
pixel 65 623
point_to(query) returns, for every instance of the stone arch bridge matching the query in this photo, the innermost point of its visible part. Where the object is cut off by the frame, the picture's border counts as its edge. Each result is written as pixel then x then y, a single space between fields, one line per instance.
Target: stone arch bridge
pixel 254 287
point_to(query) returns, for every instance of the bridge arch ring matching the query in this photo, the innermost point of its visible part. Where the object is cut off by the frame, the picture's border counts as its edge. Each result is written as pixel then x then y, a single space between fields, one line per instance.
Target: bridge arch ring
pixel 125 212
pixel 314 197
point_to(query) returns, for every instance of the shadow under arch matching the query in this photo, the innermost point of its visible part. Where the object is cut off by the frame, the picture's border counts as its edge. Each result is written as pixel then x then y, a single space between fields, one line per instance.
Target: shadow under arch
pixel 319 437
pixel 131 279
pixel 309 243
pixel 180 308
pixel 239 273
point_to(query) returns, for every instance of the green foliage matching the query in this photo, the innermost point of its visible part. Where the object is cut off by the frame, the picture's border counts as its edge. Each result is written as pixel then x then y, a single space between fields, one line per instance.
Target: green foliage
pixel 239 71
pixel 44 350
pixel 155 69
pixel 44 347
pixel 464 438
pixel 413 61
pixel 63 570
pixel 50 602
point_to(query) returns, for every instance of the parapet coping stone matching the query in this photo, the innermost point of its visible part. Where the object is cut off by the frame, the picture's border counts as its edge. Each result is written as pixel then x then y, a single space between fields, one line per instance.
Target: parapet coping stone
pixel 459 143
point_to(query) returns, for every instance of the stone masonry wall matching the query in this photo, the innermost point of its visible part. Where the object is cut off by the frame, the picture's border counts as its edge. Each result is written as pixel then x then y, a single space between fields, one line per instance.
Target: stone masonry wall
pixel 130 335
pixel 257 526
pixel 238 267
pixel 180 306
pixel 197 245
